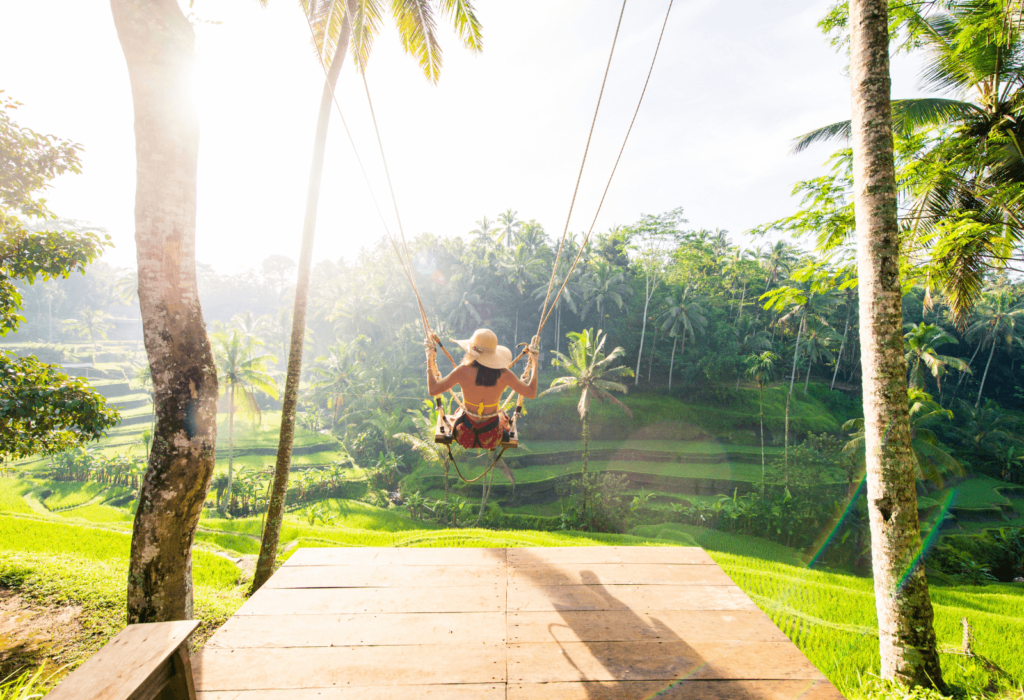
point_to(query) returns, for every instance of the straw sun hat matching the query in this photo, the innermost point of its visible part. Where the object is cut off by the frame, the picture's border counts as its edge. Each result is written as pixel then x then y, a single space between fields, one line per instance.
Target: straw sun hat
pixel 483 347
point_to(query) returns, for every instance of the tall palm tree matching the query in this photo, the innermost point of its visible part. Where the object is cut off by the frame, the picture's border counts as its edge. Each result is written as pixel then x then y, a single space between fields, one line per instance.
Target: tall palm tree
pixel 750 340
pixel 777 261
pixel 905 619
pixel 338 26
pixel 520 267
pixel 159 48
pixel 603 284
pixel 242 374
pixel 593 374
pixel 818 347
pixel 510 227
pixel 92 324
pixel 999 322
pixel 681 318
pixel 571 298
pixel 484 232
pixel 761 370
pixel 920 343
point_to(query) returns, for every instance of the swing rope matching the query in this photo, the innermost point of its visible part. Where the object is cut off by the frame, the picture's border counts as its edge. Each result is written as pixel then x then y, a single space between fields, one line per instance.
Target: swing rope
pixel 549 305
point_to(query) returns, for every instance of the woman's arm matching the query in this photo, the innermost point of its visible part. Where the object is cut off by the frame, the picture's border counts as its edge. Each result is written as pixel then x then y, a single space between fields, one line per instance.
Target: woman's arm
pixel 437 386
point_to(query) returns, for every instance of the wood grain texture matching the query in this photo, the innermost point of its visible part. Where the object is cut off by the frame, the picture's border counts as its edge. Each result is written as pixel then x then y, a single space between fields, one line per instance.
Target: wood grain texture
pixel 325 667
pixel 644 661
pixel 389 576
pixel 629 625
pixel 641 598
pixel 573 622
pixel 410 556
pixel 429 692
pixel 608 555
pixel 678 690
pixel 248 631
pixel 126 662
pixel 334 601
pixel 612 574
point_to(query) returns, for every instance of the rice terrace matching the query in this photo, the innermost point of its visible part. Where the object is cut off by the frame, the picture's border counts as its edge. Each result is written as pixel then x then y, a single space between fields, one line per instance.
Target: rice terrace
pixel 619 350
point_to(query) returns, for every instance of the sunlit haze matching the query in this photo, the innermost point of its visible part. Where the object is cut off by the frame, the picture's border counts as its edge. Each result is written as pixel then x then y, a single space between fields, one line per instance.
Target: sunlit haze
pixel 503 129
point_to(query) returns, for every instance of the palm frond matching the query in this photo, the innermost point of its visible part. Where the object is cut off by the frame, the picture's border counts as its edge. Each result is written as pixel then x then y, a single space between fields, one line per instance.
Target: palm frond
pixel 464 19
pixel 605 396
pixel 366 23
pixel 417 30
pixel 840 131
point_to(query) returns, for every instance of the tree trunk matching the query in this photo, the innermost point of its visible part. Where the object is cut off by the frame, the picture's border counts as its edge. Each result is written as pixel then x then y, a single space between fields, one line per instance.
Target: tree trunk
pixel 905 619
pixel 650 360
pixel 760 401
pixel 643 328
pixel 785 453
pixel 743 297
pixel 672 363
pixel 839 355
pixel 807 381
pixel 796 351
pixel 485 492
pixel 159 48
pixel 977 402
pixel 964 374
pixel 275 509
pixel 231 445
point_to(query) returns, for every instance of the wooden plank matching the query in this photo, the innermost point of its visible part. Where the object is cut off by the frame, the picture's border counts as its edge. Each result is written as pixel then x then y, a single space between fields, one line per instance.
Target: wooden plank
pixel 629 625
pixel 649 661
pixel 430 692
pixel 639 574
pixel 337 601
pixel 442 576
pixel 389 556
pixel 679 690
pixel 325 667
pixel 637 598
pixel 535 556
pixel 126 662
pixel 247 631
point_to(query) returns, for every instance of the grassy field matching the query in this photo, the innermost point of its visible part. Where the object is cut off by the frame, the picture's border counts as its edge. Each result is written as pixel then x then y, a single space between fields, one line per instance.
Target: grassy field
pixel 80 556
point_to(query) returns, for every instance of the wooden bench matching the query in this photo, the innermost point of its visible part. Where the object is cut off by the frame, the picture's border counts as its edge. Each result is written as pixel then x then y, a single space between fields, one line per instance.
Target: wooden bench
pixel 142 662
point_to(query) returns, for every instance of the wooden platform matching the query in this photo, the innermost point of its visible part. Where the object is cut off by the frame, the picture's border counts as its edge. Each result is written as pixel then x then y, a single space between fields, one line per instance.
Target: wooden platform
pixel 487 624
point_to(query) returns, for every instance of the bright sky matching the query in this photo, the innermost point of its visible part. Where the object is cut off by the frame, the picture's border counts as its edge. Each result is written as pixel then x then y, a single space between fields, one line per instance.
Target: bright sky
pixel 505 128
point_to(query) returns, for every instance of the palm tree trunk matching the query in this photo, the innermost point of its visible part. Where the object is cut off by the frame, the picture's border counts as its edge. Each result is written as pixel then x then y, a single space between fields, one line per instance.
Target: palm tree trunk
pixel 275 510
pixel 964 374
pixel 796 351
pixel 839 355
pixel 231 445
pixel 159 47
pixel 785 454
pixel 760 401
pixel 672 363
pixel 485 492
pixel 643 328
pixel 905 618
pixel 977 402
pixel 807 381
pixel 743 297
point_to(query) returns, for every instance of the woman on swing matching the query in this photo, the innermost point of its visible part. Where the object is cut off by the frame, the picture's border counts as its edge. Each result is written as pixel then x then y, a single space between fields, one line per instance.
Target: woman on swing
pixel 483 376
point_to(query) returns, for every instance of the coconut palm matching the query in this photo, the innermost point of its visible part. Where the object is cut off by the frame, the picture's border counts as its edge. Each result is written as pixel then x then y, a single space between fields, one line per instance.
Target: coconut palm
pixel 592 373
pixel 761 370
pixel 510 227
pixel 932 459
pixel 339 373
pixel 484 232
pixel 243 374
pixel 920 343
pixel 683 316
pixel 337 27
pixel 817 346
pixel 776 261
pixel 91 324
pixel 973 52
pixel 750 340
pixel 520 267
pixel 604 284
pixel 906 633
pixel 998 322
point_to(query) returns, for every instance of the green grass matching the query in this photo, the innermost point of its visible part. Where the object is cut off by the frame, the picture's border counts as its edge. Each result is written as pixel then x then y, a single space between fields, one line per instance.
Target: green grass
pixel 68 494
pixel 11 500
pixel 355 514
pixel 980 492
pixel 673 446
pixel 25 534
pixel 98 513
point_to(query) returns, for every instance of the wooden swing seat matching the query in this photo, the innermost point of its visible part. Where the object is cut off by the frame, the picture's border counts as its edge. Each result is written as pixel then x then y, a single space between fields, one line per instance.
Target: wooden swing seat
pixel 444 432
